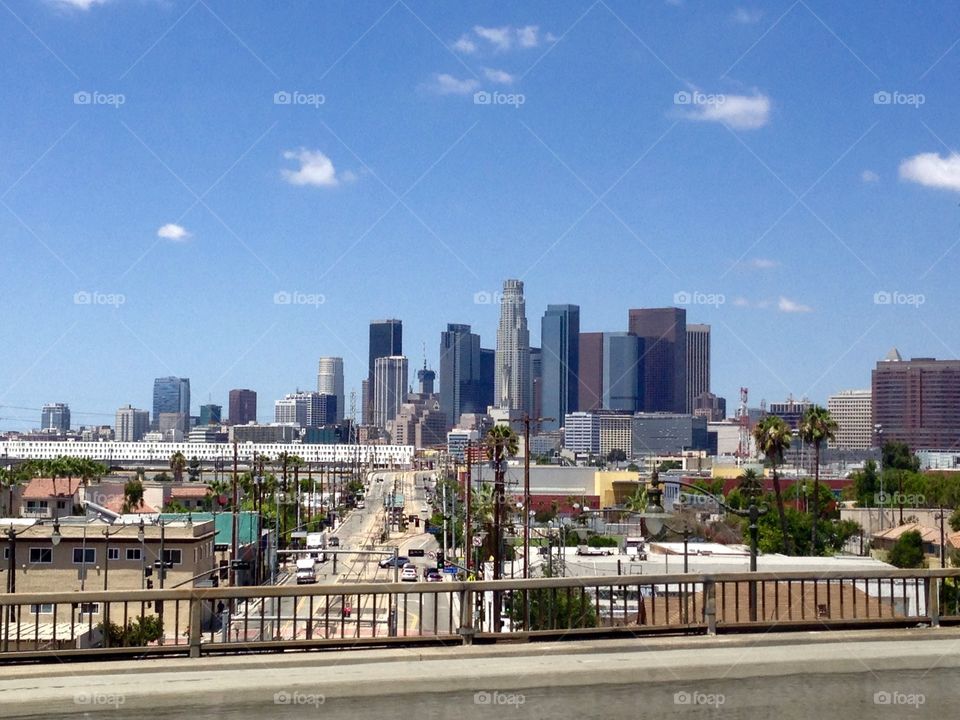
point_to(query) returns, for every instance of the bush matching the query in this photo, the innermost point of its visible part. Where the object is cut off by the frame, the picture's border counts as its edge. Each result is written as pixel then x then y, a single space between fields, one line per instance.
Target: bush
pixel 907 551
pixel 139 632
pixel 603 541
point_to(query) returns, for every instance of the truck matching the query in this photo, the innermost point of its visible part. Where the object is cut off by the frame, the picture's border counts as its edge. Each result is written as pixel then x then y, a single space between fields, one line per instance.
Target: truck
pixel 305 571
pixel 587 550
pixel 636 548
pixel 317 544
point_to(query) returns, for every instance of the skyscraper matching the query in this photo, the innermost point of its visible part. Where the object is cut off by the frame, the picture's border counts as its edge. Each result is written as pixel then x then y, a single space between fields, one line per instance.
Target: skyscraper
pixel 210 414
pixel 131 424
pixel 306 409
pixel 536 381
pixel 622 372
pixel 390 383
pixel 330 381
pixel 698 363
pixel 55 416
pixel 917 402
pixel 243 406
pixel 386 340
pixel 486 386
pixel 852 411
pixel 425 379
pixel 459 371
pixel 590 384
pixel 171 395
pixel 512 382
pixel 664 334
pixel 560 363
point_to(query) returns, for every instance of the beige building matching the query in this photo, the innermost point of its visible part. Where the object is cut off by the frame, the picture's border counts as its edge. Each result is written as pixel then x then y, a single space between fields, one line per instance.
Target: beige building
pixel 852 409
pixel 616 433
pixel 49 497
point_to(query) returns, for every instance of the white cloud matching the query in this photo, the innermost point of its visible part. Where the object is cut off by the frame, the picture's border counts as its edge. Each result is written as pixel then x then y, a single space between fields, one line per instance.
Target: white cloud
pixel 869 176
pixel 931 170
pixel 315 169
pixel 503 39
pixel 791 306
pixel 498 76
pixel 742 112
pixel 172 231
pixel 741 302
pixel 745 16
pixel 465 45
pixel 79 4
pixel 445 84
pixel 762 263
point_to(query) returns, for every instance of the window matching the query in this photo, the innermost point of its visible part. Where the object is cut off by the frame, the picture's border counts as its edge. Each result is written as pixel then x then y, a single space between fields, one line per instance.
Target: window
pixel 133 553
pixel 89 608
pixel 41 555
pixel 44 609
pixel 61 504
pixel 6 553
pixel 173 556
pixel 84 556
pixel 113 553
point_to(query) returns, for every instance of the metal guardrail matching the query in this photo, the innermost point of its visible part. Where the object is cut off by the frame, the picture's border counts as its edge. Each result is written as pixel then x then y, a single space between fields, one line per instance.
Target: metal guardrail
pixel 195 621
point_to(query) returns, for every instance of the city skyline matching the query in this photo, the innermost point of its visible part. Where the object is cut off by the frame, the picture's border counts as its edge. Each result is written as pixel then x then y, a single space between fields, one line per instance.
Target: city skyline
pixel 802 204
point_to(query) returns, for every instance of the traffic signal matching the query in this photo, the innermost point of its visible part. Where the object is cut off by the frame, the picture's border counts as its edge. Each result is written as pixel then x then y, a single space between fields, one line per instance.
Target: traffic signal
pixel 149 584
pixel 439 559
pixel 147 571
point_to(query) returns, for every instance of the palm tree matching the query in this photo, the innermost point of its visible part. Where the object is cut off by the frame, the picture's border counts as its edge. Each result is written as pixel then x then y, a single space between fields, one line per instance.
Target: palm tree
pixel 178 463
pixel 751 487
pixel 502 442
pixel 816 426
pixel 132 496
pixel 11 478
pixel 772 435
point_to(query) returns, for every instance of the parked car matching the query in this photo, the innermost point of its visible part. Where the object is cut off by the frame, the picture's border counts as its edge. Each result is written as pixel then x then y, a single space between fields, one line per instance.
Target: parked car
pixel 587 550
pixel 395 562
pixel 432 575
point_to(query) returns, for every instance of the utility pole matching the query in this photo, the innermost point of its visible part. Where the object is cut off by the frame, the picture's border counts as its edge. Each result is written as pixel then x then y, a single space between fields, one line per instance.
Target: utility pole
pixel 467 528
pixel 526 487
pixel 235 526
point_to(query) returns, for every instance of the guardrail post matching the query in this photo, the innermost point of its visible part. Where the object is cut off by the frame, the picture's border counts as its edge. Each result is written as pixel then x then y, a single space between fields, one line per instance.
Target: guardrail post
pixel 196 631
pixel 710 605
pixel 466 629
pixel 933 600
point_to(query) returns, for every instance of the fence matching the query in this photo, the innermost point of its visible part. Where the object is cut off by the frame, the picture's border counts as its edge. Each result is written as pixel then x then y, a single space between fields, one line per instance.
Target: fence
pixel 202 621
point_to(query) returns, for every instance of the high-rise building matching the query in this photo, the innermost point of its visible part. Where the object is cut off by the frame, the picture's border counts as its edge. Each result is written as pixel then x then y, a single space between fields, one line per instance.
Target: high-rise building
pixel 487 386
pixel 790 410
pixel 536 381
pixel 459 372
pixel 425 380
pixel 243 406
pixel 852 411
pixel 55 416
pixel 171 395
pixel 330 381
pixel 590 384
pixel 622 372
pixel 664 334
pixel 210 414
pixel 698 363
pixel 306 409
pixel 386 340
pixel 512 386
pixel 131 424
pixel 709 406
pixel 560 361
pixel 581 433
pixel 917 402
pixel 390 388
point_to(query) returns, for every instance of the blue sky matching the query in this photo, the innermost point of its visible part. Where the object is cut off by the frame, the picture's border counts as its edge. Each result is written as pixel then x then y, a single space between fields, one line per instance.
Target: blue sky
pixel 790 166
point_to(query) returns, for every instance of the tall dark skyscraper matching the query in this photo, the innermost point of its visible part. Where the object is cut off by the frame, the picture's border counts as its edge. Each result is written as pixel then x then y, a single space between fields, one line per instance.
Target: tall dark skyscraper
pixel 560 363
pixel 242 407
pixel 698 363
pixel 460 376
pixel 55 416
pixel 386 340
pixel 486 389
pixel 622 372
pixel 590 383
pixel 664 334
pixel 536 381
pixel 171 395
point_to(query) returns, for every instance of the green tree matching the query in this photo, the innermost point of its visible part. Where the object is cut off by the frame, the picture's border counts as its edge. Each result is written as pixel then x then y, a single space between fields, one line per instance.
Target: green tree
pixel 178 463
pixel 907 551
pixel 772 436
pixel 751 484
pixel 132 496
pixel 616 455
pixel 866 484
pixel 194 469
pixel 955 520
pixel 897 456
pixel 554 608
pixel 11 478
pixel 501 442
pixel 816 427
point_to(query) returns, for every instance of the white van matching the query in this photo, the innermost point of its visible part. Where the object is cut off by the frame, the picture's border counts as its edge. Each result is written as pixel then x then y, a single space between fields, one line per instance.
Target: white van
pixel 305 571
